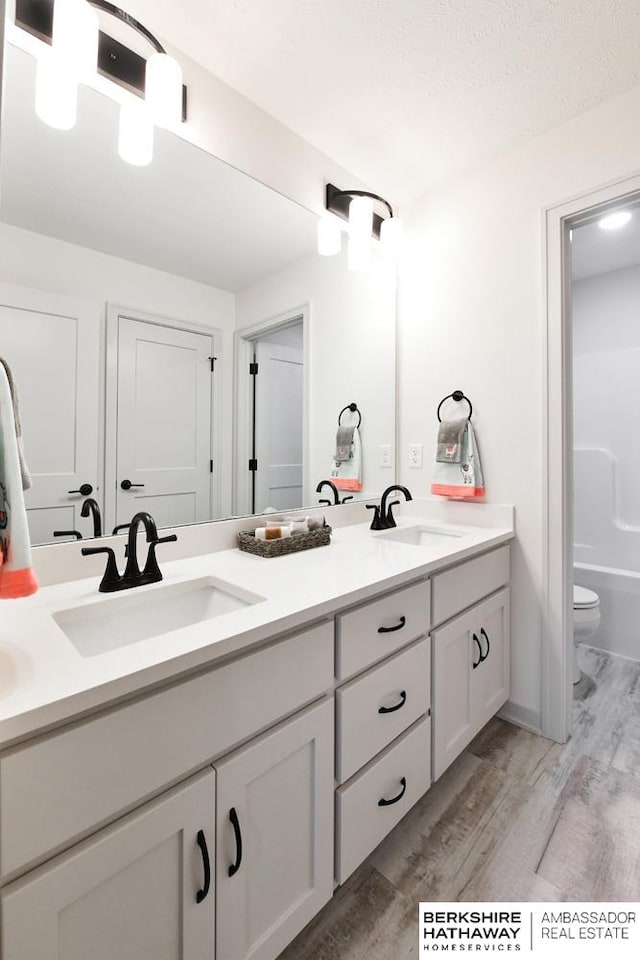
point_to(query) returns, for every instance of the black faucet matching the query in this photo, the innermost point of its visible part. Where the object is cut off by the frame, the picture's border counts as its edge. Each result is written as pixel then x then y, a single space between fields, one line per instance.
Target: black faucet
pixel 132 576
pixel 336 495
pixel 383 518
pixel 91 506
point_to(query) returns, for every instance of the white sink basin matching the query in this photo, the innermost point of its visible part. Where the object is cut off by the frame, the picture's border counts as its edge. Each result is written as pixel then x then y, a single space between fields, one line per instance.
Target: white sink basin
pixel 422 536
pixel 140 614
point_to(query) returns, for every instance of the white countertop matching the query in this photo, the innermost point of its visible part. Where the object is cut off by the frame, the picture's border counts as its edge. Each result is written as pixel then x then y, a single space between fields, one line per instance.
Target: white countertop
pixel 44 680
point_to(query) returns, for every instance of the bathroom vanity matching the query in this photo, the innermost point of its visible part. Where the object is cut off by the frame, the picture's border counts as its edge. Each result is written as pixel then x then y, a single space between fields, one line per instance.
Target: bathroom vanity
pixel 200 793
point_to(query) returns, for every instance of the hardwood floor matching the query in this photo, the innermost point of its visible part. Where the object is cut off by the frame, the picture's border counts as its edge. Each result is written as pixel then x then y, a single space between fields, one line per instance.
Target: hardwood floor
pixel 516 817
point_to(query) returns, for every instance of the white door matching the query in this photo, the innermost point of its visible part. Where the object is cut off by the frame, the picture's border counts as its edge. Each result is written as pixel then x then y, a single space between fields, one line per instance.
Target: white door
pixel 279 426
pixel 274 836
pixel 52 344
pixel 163 432
pixel 454 653
pixel 491 679
pixel 128 893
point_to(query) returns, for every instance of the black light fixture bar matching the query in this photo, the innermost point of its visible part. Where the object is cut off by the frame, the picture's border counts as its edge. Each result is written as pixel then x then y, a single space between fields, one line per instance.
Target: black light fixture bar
pixel 115 60
pixel 338 202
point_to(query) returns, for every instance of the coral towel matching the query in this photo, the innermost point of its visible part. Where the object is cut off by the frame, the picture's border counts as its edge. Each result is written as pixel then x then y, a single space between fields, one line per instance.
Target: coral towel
pixel 463 480
pixel 17 579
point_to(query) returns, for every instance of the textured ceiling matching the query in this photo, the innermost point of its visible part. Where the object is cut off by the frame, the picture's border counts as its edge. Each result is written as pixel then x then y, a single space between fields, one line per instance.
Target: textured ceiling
pixel 408 93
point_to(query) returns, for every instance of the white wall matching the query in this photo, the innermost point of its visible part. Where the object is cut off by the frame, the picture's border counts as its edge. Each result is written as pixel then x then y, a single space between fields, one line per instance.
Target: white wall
pixel 351 353
pixel 606 348
pixel 34 260
pixel 472 316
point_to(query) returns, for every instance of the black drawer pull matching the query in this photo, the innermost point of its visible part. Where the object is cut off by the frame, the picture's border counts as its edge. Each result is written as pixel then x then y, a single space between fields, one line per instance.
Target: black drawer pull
pixel 476 663
pixel 398 626
pixel 202 843
pixel 484 634
pixel 389 803
pixel 233 816
pixel 398 706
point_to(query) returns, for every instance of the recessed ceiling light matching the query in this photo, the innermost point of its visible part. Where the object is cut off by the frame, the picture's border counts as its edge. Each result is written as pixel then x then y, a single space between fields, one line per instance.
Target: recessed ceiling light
pixel 615 220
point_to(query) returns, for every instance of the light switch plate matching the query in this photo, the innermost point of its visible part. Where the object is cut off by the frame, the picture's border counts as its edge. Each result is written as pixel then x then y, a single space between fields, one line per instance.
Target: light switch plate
pixel 386 458
pixel 415 456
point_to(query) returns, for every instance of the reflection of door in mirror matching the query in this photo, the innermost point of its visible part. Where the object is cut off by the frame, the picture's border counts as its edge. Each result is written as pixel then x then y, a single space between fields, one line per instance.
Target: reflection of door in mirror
pixel 163 423
pixel 278 419
pixel 52 345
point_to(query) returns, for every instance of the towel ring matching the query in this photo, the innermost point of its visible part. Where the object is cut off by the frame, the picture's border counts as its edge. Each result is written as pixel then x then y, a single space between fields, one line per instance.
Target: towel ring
pixel 456 395
pixel 353 408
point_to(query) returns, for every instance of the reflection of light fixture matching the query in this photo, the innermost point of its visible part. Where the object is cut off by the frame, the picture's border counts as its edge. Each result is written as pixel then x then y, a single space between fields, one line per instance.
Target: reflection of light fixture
pixel 615 220
pixel 78 48
pixel 357 206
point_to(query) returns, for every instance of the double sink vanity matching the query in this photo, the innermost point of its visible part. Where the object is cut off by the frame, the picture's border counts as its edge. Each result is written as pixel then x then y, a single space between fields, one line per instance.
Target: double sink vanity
pixel 188 769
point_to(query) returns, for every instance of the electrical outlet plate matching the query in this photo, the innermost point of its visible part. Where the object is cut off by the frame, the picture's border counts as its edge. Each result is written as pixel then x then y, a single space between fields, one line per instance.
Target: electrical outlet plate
pixel 415 456
pixel 386 458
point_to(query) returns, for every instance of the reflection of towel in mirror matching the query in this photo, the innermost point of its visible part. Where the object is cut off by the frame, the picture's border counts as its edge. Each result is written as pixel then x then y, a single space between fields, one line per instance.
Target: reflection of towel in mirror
pixel 17 579
pixel 347 474
pixel 344 443
pixel 24 470
pixel 463 480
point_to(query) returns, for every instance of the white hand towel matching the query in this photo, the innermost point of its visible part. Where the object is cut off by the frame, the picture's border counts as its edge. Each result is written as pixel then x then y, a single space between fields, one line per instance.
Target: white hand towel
pixel 462 480
pixel 17 579
pixel 347 474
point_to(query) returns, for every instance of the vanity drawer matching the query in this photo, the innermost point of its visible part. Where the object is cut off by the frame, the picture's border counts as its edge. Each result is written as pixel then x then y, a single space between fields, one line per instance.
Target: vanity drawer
pixel 363 731
pixel 376 629
pixel 402 771
pixel 459 588
pixel 65 785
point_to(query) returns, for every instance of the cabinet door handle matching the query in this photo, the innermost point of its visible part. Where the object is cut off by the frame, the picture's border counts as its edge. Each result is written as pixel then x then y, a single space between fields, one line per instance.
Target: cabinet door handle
pixel 235 823
pixel 484 634
pixel 476 663
pixel 398 626
pixel 206 864
pixel 389 803
pixel 398 706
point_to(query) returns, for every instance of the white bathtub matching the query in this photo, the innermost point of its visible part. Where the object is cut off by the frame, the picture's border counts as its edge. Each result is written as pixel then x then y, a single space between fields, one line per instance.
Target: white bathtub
pixel 619 592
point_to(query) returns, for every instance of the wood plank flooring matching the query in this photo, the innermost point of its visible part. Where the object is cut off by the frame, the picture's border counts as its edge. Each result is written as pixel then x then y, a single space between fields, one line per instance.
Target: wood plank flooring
pixel 516 817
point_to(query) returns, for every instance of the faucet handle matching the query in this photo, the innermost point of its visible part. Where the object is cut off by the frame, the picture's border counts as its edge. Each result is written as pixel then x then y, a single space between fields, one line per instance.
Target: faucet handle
pixel 390 520
pixel 111 579
pixel 376 523
pixel 151 572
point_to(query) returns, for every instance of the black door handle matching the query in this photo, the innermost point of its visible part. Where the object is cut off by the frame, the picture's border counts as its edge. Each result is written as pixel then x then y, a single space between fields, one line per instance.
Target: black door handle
pixel 126 484
pixel 84 490
pixel 206 864
pixel 389 803
pixel 484 634
pixel 398 706
pixel 476 663
pixel 68 533
pixel 233 816
pixel 398 626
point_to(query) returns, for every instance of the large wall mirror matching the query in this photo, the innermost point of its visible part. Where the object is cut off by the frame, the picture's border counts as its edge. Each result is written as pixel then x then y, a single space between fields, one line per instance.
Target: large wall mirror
pixel 135 305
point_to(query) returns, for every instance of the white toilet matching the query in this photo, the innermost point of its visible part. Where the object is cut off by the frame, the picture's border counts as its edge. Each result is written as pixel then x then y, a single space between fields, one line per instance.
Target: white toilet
pixel 586 620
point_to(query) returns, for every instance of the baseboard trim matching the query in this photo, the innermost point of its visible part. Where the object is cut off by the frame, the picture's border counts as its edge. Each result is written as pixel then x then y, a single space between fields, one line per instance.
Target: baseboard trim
pixel 521 716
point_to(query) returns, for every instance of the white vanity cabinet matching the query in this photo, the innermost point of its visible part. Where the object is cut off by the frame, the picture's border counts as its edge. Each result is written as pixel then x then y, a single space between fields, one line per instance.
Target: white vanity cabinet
pixel 138 890
pixel 274 864
pixel 471 664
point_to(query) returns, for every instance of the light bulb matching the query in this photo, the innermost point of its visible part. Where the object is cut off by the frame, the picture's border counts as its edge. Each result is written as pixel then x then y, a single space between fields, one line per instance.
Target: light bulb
pixel 359 252
pixel 163 89
pixel 135 134
pixel 75 37
pixel 361 218
pixel 391 236
pixel 329 235
pixel 56 92
pixel 615 220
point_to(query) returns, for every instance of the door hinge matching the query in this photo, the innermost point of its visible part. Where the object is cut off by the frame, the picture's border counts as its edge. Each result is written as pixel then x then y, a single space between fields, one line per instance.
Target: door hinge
pixel 212 361
pixel 253 369
pixel 210 466
pixel 253 465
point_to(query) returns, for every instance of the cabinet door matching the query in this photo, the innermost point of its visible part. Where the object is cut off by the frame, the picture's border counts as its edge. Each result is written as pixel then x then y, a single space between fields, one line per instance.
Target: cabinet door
pixel 274 836
pixel 128 893
pixel 453 720
pixel 491 678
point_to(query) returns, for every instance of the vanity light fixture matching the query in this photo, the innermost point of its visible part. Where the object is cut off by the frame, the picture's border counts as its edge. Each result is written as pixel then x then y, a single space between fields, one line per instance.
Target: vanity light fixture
pixel 359 208
pixel 79 49
pixel 615 220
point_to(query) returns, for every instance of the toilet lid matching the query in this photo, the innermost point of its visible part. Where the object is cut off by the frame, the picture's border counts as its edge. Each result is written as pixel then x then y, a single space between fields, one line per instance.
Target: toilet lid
pixel 583 598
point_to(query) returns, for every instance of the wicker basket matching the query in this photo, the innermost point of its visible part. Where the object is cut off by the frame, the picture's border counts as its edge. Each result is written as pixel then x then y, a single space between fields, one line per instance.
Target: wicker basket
pixel 285 545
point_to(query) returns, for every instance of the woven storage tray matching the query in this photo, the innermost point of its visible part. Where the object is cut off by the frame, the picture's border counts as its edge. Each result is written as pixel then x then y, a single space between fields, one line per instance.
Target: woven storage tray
pixel 285 545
